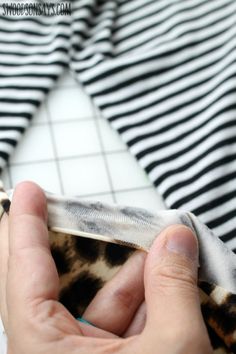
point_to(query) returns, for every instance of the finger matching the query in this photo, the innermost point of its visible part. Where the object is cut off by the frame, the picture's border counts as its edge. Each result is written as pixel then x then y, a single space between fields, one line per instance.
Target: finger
pixel 138 322
pixel 171 284
pixel 32 275
pixel 115 304
pixel 89 330
pixel 4 254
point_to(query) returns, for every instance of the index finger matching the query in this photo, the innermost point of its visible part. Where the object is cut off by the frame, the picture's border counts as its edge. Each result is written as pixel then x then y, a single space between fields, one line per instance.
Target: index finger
pixel 32 275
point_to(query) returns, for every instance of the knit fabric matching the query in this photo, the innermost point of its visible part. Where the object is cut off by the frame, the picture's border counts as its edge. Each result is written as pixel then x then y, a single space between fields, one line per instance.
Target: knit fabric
pixel 161 72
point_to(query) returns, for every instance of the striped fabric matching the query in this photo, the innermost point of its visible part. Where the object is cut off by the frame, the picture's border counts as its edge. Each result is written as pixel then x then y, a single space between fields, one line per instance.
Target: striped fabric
pixel 163 73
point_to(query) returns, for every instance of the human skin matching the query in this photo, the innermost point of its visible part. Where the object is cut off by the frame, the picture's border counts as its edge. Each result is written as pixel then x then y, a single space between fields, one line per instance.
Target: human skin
pixel 151 306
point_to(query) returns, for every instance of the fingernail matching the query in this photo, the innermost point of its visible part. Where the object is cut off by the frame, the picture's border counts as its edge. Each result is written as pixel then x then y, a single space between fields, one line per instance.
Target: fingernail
pixel 81 319
pixel 182 241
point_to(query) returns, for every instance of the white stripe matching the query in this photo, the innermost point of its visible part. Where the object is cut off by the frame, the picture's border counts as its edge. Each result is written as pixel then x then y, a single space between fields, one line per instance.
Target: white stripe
pixel 82 3
pixel 170 17
pixel 101 21
pixel 207 196
pixel 13 121
pixel 28 81
pixel 29 69
pixel 199 183
pixel 186 174
pixel 10 134
pixel 155 7
pixel 39 28
pixel 26 49
pixel 29 60
pixel 96 47
pixel 77 65
pixel 17 107
pixel 190 138
pixel 24 94
pixel 181 29
pixel 172 60
pixel 163 108
pixel 132 5
pixel 160 92
pixel 190 155
pixel 163 79
pixel 5 147
pixel 218 212
pixel 182 128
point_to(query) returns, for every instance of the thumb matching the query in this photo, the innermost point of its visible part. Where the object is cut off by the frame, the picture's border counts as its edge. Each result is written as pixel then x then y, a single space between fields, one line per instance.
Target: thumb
pixel 170 280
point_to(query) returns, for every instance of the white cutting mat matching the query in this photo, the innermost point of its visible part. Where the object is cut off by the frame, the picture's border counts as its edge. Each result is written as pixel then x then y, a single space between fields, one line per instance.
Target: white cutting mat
pixel 69 149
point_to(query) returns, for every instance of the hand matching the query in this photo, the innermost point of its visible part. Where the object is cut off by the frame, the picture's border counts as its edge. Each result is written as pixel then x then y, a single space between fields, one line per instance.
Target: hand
pixel 168 322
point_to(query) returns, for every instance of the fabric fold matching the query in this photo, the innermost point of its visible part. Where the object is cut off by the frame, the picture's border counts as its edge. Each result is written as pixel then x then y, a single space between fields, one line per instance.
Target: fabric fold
pixel 72 217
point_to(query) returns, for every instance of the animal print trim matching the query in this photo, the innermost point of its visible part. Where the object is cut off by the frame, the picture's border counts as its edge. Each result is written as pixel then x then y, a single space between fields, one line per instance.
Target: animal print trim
pixel 86 264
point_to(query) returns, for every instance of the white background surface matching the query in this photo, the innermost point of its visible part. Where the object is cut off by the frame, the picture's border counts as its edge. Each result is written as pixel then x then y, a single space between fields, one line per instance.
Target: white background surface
pixel 69 149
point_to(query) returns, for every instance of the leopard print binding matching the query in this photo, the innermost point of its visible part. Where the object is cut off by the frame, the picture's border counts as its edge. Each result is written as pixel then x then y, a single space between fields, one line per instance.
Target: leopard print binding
pixel 85 265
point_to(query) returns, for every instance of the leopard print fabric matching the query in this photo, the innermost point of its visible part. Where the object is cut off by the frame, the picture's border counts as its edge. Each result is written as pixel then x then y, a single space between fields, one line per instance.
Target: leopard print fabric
pixel 86 264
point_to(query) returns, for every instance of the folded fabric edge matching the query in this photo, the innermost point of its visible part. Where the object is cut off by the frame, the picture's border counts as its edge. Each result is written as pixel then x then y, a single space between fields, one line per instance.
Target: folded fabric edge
pixel 137 228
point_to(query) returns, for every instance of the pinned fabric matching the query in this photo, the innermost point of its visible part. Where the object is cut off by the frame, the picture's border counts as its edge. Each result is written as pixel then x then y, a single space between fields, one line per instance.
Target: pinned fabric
pixel 75 224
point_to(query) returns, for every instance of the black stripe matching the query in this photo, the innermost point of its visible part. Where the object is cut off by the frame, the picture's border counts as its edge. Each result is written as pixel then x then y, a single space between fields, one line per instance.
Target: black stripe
pixel 137 8
pixel 27 54
pixel 214 147
pixel 9 141
pixel 221 219
pixel 25 88
pixel 20 101
pixel 189 181
pixel 15 114
pixel 34 63
pixel 95 10
pixel 34 33
pixel 174 94
pixel 210 167
pixel 158 87
pixel 177 123
pixel 15 127
pixel 136 20
pixel 35 20
pixel 205 188
pixel 178 153
pixel 186 20
pixel 229 236
pixel 214 203
pixel 85 35
pixel 32 75
pixel 165 55
pixel 4 155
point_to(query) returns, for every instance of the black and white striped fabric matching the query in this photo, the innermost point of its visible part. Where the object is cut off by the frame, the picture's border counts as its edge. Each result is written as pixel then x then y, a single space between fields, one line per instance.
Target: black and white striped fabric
pixel 163 73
